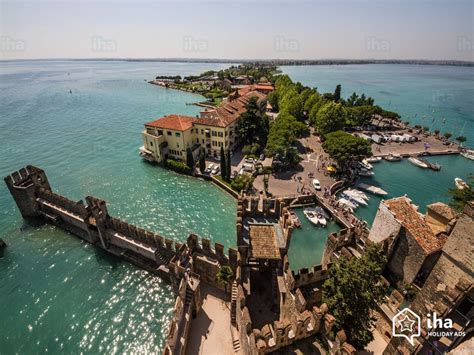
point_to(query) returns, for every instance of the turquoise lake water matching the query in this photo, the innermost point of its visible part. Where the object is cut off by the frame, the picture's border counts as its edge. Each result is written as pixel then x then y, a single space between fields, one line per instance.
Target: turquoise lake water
pixel 58 294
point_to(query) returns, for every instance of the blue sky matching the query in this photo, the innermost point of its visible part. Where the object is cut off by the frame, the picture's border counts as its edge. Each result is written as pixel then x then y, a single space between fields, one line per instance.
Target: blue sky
pixel 417 29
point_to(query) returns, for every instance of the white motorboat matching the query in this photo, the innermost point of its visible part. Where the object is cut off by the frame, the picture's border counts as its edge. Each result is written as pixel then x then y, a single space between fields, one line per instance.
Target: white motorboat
pixel 354 198
pixel 373 159
pixel 469 154
pixel 460 184
pixel 418 162
pixel 365 165
pixel 321 211
pixel 393 157
pixel 312 216
pixel 372 189
pixel 365 172
pixel 321 219
pixel 316 184
pixel 358 193
pixel 347 203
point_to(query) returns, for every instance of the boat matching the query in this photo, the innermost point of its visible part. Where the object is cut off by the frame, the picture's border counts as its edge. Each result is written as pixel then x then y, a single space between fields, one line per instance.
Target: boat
pixel 393 157
pixel 358 193
pixel 294 218
pixel 418 162
pixel 321 211
pixel 461 184
pixel 373 159
pixel 321 219
pixel 146 154
pixel 435 166
pixel 347 203
pixel 469 154
pixel 311 215
pixel 354 198
pixel 365 172
pixel 372 189
pixel 365 165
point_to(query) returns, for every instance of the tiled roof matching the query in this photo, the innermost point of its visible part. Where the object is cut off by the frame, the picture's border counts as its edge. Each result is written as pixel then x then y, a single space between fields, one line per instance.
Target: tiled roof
pixel 175 122
pixel 255 87
pixel 413 222
pixel 228 112
pixel 263 242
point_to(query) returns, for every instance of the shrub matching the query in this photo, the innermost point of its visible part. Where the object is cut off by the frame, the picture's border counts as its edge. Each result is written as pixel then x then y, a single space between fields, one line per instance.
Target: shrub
pixel 178 166
pixel 242 182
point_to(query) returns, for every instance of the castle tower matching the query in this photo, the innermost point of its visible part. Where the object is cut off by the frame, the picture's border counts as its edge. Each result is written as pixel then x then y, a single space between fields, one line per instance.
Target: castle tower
pixel 24 185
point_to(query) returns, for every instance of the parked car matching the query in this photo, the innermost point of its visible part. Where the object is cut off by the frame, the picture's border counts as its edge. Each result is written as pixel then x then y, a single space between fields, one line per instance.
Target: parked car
pixel 250 160
pixel 215 170
pixel 209 168
pixel 262 157
pixel 247 167
pixel 316 184
pixel 233 175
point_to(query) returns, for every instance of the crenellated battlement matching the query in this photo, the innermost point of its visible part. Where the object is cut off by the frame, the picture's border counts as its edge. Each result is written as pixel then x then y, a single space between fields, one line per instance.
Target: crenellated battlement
pixel 306 276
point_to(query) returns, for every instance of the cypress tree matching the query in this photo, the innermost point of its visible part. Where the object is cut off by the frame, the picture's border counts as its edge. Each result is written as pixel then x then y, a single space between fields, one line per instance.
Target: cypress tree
pixel 228 165
pixel 223 169
pixel 202 162
pixel 337 93
pixel 189 158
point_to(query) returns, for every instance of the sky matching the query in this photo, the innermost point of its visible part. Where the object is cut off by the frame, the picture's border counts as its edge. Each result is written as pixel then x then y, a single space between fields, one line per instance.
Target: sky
pixel 225 29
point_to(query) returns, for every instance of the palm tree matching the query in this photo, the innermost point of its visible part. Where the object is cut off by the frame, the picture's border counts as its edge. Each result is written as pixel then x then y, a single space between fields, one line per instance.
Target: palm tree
pixel 225 276
pixel 461 139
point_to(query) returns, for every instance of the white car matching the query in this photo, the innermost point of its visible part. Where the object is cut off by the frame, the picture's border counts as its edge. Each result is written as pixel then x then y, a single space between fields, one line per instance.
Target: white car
pixel 215 170
pixel 316 184
pixel 209 168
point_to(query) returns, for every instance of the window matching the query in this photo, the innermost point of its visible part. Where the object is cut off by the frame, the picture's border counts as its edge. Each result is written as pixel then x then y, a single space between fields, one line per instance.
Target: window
pixel 202 131
pixel 160 132
pixel 220 144
pixel 177 145
pixel 151 143
pixel 214 133
pixel 169 133
pixel 177 134
pixel 202 141
pixel 220 134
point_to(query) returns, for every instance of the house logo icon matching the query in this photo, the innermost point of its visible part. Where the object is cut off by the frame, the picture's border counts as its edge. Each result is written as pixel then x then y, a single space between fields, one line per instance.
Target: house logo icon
pixel 406 324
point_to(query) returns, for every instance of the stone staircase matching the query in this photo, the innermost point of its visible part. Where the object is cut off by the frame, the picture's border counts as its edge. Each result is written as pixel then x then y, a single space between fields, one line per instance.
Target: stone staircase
pixel 236 346
pixel 233 303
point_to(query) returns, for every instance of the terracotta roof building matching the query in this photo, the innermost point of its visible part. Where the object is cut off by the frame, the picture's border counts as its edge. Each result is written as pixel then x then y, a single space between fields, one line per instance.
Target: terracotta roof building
pixel 174 122
pixel 412 245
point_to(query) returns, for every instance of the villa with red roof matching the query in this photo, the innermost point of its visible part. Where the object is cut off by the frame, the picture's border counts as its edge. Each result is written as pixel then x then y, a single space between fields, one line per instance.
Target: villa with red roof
pixel 172 135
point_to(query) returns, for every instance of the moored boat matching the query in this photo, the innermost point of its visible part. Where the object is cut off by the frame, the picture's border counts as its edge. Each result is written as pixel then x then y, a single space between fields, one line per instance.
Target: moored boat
pixel 469 154
pixel 365 165
pixel 365 172
pixel 294 218
pixel 461 184
pixel 311 215
pixel 374 159
pixel 354 198
pixel 393 157
pixel 347 203
pixel 418 162
pixel 372 189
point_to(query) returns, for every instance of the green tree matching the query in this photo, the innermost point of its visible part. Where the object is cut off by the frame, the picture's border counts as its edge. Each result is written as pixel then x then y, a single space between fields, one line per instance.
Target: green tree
pixel 447 135
pixel 436 131
pixel 461 139
pixel 228 165
pixel 360 115
pixel 253 124
pixel 352 290
pixel 202 161
pixel 337 93
pixel 344 148
pixel 291 103
pixel 242 182
pixel 189 158
pixel 331 117
pixel 459 197
pixel 225 276
pixel 223 168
